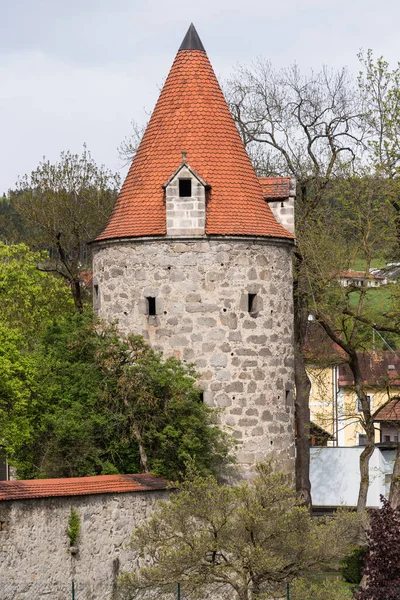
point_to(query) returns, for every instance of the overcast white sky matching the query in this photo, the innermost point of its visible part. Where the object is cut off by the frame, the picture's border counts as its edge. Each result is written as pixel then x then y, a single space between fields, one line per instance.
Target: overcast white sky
pixel 80 71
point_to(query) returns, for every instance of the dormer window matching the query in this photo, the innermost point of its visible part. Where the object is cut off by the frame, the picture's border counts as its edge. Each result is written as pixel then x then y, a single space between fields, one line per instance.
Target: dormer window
pixel 185 188
pixel 185 217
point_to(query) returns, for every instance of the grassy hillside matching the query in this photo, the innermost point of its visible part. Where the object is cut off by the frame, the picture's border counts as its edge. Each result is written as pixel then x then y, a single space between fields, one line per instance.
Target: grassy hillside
pixel 378 299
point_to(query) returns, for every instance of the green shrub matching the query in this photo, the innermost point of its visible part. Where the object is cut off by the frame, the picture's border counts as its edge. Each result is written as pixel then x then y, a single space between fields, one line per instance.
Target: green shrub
pixel 74 526
pixel 352 566
pixel 329 589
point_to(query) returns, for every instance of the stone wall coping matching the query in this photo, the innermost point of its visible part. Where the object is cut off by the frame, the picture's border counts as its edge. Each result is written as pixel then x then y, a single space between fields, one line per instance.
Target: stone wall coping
pixel 269 241
pixel 80 486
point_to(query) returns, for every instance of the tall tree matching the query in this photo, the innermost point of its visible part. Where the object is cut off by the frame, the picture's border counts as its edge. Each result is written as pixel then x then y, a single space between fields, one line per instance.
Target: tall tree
pixel 98 403
pixel 69 202
pixel 244 541
pixel 380 88
pixel 29 298
pixel 308 127
pixel 362 227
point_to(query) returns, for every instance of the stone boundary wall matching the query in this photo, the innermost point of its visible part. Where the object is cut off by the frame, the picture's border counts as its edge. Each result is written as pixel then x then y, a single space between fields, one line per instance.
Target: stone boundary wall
pixel 201 289
pixel 35 561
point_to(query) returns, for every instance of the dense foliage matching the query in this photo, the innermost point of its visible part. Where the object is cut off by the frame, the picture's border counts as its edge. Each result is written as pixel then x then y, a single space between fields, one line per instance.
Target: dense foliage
pixel 252 539
pixel 333 588
pixel 87 401
pixel 352 566
pixel 382 569
pixel 67 203
pixel 29 298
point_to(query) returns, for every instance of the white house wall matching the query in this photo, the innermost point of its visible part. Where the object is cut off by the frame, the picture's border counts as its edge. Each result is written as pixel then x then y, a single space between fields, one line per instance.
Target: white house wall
pixel 335 475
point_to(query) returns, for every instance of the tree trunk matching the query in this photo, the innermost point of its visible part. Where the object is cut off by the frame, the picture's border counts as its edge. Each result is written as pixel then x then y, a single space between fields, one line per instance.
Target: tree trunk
pixel 302 412
pixel 144 462
pixel 369 429
pixel 71 268
pixel 77 294
pixel 364 473
pixel 394 494
pixel 367 421
pixel 303 388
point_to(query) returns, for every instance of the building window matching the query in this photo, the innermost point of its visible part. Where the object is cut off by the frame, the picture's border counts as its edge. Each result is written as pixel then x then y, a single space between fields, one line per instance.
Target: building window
pixel 185 188
pixel 359 405
pixel 151 306
pixel 362 439
pixel 252 303
pixel 96 297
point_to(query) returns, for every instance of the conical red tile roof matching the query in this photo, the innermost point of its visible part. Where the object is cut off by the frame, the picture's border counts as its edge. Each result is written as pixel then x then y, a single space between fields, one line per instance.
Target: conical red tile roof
pixel 191 114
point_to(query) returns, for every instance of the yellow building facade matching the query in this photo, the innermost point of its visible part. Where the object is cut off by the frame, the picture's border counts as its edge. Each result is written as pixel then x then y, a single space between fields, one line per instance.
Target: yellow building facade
pixel 334 405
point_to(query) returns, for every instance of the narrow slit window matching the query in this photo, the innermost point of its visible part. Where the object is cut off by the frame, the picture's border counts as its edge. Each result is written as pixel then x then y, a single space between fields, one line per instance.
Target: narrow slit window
pixel 185 188
pixel 201 398
pixel 96 298
pixel 252 303
pixel 288 396
pixel 151 306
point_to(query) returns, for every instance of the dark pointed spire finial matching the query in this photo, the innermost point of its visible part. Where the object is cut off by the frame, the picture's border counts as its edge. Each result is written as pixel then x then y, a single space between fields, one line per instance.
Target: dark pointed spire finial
pixel 191 41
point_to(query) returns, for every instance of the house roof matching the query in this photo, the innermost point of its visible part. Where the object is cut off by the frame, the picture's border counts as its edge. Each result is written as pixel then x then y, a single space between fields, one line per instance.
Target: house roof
pixel 192 115
pixel 359 275
pixel 275 188
pixel 80 486
pixel 378 368
pixel 389 412
pixel 319 349
pixel 318 431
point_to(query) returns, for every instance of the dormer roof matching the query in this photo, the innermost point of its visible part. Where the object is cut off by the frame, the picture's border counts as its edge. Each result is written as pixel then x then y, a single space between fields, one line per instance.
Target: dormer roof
pixel 185 165
pixel 192 114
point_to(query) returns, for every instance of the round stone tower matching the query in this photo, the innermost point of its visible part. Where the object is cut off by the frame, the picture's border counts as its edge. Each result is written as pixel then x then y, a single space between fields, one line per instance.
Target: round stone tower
pixel 194 260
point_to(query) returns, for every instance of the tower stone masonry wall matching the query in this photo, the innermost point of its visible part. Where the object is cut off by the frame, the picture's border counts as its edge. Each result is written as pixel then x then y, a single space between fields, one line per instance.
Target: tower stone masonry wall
pixel 202 316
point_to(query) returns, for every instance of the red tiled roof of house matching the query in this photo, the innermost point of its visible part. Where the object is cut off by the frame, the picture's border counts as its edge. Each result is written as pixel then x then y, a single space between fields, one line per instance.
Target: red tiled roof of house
pixel 275 187
pixel 358 275
pixel 389 412
pixel 319 349
pixel 192 115
pixel 80 486
pixel 378 368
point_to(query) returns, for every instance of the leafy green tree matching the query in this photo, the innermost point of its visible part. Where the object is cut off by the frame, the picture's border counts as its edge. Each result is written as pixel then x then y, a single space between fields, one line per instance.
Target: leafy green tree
pixel 69 202
pixel 333 588
pixel 155 401
pixel 13 227
pixel 108 404
pixel 380 87
pixel 29 298
pixel 246 541
pixel 18 391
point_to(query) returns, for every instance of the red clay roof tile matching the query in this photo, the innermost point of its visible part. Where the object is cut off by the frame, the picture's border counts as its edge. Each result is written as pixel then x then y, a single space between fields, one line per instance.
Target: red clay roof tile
pixel 389 412
pixel 191 114
pixel 275 187
pixel 378 368
pixel 80 486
